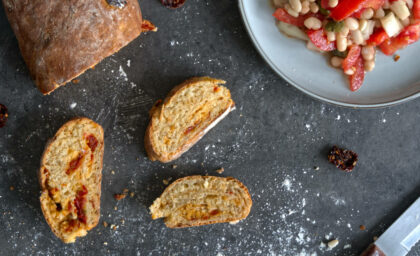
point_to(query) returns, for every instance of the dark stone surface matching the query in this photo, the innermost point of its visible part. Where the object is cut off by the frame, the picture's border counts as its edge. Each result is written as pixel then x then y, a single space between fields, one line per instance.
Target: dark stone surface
pixel 277 134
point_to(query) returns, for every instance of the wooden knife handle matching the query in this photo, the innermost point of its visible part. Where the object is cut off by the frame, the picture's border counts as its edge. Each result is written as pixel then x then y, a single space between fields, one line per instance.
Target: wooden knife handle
pixel 372 250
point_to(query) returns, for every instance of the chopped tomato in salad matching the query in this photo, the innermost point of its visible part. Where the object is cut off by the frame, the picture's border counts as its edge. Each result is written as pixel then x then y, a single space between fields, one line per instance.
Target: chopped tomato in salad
pixel 351 30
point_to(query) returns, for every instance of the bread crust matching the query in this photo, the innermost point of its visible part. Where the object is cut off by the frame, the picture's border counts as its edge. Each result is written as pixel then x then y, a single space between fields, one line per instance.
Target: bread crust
pixel 157 108
pixel 59 40
pixel 42 177
pixel 241 185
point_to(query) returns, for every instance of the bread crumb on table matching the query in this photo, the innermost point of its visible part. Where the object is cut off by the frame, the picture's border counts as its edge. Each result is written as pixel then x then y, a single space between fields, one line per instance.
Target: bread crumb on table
pixel 120 196
pixel 166 181
pixel 105 224
pixel 131 194
pixel 362 227
pixel 12 188
pixel 333 243
pixel 220 171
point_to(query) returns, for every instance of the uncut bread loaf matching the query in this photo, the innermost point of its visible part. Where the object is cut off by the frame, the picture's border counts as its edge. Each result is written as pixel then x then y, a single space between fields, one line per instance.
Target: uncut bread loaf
pixel 202 200
pixel 189 111
pixel 70 177
pixel 59 40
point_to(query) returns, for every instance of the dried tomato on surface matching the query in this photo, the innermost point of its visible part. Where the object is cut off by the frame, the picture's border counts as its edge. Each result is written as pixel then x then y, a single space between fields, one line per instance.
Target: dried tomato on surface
pixel 343 158
pixel 173 4
pixel 3 115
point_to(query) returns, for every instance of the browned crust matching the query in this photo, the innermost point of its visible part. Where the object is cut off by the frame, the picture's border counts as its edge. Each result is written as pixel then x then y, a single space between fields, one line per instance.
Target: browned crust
pixel 59 40
pixel 157 107
pixel 241 185
pixel 42 177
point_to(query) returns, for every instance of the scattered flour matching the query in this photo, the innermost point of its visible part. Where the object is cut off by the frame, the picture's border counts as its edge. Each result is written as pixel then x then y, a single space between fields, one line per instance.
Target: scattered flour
pixel 337 200
pixel 128 63
pixel 123 74
pixel 287 184
pixel 73 105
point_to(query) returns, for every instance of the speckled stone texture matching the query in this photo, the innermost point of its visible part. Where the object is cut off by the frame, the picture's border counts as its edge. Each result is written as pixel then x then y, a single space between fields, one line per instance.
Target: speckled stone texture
pixel 271 143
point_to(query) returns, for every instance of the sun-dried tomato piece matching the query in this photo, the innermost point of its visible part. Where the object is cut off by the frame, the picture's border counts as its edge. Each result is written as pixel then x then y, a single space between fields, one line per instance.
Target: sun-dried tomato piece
pixel 119 196
pixel 74 164
pixel 148 26
pixel 173 4
pixel 92 142
pixel 79 202
pixel 117 3
pixel 3 115
pixel 343 158
pixel 215 212
pixel 189 129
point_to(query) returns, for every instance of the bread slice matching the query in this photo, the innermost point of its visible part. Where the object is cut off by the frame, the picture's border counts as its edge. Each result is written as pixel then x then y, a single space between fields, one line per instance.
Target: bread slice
pixel 59 40
pixel 70 177
pixel 202 200
pixel 189 111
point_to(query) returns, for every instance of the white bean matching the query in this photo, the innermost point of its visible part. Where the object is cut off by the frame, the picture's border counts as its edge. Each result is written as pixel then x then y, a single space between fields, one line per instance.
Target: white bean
pixel 357 37
pixel 367 14
pixel 344 31
pixel 336 61
pixel 362 24
pixel 296 5
pixel 351 23
pixel 312 23
pixel 331 36
pixel 314 7
pixel 380 13
pixel 369 65
pixel 349 72
pixel 332 3
pixel 341 43
pixel 305 7
pixel 290 11
pixel 368 52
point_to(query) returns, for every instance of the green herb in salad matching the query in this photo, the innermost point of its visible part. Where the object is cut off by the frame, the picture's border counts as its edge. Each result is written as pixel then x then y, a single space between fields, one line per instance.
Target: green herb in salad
pixel 333 26
pixel 323 11
pixel 339 54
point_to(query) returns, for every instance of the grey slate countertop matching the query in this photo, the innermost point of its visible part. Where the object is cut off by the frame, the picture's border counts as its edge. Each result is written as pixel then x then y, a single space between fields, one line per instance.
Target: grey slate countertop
pixel 271 142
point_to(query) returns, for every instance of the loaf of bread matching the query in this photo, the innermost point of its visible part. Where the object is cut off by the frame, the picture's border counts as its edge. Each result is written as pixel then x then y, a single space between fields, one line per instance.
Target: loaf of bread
pixel 70 177
pixel 59 40
pixel 189 111
pixel 202 200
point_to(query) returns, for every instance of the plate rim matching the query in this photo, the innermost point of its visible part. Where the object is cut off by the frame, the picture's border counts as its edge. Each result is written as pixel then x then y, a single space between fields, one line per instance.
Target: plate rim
pixel 309 93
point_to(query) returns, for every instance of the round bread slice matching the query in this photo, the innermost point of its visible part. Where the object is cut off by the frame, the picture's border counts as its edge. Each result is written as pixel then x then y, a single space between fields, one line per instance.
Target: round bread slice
pixel 202 200
pixel 189 111
pixel 70 177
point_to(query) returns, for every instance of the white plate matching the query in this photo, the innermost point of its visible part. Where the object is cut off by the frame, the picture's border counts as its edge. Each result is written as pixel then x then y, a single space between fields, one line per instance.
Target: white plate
pixel 390 83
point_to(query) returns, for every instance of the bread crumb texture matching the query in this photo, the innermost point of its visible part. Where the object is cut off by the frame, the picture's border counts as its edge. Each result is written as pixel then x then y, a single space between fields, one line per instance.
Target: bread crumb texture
pixel 202 200
pixel 189 111
pixel 70 177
